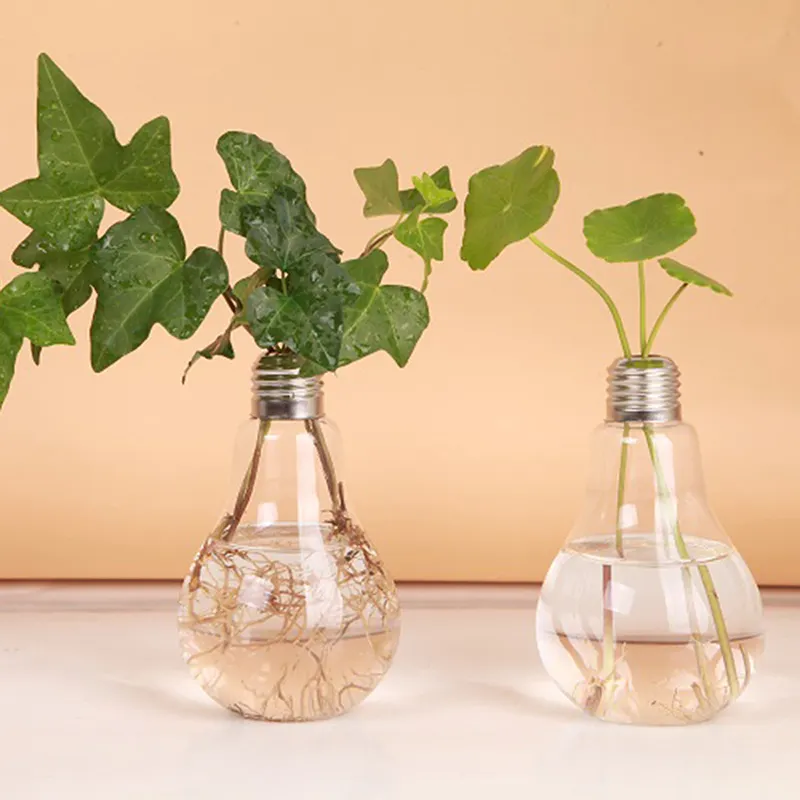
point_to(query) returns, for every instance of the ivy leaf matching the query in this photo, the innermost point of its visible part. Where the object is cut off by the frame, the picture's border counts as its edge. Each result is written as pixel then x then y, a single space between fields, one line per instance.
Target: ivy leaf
pixel 143 174
pixel 29 308
pixel 643 229
pixel 507 203
pixel 283 231
pixel 30 251
pixel 688 275
pixel 276 318
pixel 438 196
pixel 411 198
pixel 380 186
pixel 81 164
pixel 10 345
pixel 141 279
pixel 425 237
pixel 256 170
pixel 389 318
pixel 65 219
pixel 69 270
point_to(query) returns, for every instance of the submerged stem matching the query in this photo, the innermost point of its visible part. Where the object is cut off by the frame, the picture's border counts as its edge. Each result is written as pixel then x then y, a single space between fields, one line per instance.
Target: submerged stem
pixel 642 310
pixel 605 296
pixel 705 575
pixel 648 346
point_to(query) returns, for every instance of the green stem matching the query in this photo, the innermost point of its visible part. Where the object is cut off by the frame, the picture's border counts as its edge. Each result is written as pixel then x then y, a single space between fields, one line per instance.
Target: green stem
pixel 380 238
pixel 234 304
pixel 623 470
pixel 660 320
pixel 612 306
pixel 609 642
pixel 609 645
pixel 642 311
pixel 705 575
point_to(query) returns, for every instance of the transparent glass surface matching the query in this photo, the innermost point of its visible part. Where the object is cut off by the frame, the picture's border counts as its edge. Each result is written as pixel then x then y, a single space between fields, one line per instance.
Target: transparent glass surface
pixel 287 612
pixel 648 614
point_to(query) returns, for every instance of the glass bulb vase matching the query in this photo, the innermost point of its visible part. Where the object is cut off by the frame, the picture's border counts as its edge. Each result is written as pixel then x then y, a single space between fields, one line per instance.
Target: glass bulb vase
pixel 287 612
pixel 648 615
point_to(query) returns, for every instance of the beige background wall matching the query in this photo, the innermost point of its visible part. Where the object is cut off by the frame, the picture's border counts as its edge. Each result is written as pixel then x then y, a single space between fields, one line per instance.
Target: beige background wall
pixel 122 475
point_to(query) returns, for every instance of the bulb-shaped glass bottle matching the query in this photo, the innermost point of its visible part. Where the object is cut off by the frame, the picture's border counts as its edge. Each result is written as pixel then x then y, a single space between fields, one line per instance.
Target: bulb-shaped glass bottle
pixel 287 613
pixel 648 614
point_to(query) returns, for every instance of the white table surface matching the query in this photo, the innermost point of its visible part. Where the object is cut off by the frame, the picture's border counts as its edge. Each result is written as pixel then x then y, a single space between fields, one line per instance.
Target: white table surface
pixel 95 703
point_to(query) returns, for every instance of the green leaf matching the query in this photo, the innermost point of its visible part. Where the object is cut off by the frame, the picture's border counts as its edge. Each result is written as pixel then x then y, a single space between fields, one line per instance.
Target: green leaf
pixel 432 195
pixel 143 176
pixel 688 275
pixel 389 318
pixel 30 307
pixel 30 251
pixel 64 219
pixel 276 318
pixel 81 164
pixel 69 270
pixel 283 231
pixel 10 344
pixel 411 198
pixel 643 229
pixel 71 273
pixel 77 142
pixel 507 203
pixel 380 186
pixel 256 170
pixel 141 279
pixel 425 237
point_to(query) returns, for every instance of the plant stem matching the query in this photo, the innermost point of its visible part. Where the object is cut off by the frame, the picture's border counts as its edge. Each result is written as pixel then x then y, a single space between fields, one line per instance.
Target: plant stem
pixel 335 489
pixel 609 641
pixel 426 276
pixel 609 644
pixel 612 306
pixel 234 304
pixel 705 575
pixel 642 310
pixel 380 238
pixel 249 482
pixel 660 320
pixel 623 470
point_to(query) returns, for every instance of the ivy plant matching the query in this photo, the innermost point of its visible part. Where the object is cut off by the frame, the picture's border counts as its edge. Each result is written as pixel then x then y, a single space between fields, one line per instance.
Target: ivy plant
pixel 300 295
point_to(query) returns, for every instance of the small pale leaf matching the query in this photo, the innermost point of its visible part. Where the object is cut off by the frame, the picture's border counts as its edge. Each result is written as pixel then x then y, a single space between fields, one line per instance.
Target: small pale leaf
pixel 380 186
pixel 411 198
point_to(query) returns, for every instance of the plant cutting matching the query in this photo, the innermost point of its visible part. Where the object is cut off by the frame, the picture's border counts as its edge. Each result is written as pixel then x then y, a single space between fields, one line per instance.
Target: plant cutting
pixel 287 612
pixel 648 615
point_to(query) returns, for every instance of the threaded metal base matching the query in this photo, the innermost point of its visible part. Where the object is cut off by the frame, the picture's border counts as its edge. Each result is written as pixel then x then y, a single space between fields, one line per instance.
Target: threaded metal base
pixel 280 392
pixel 643 390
